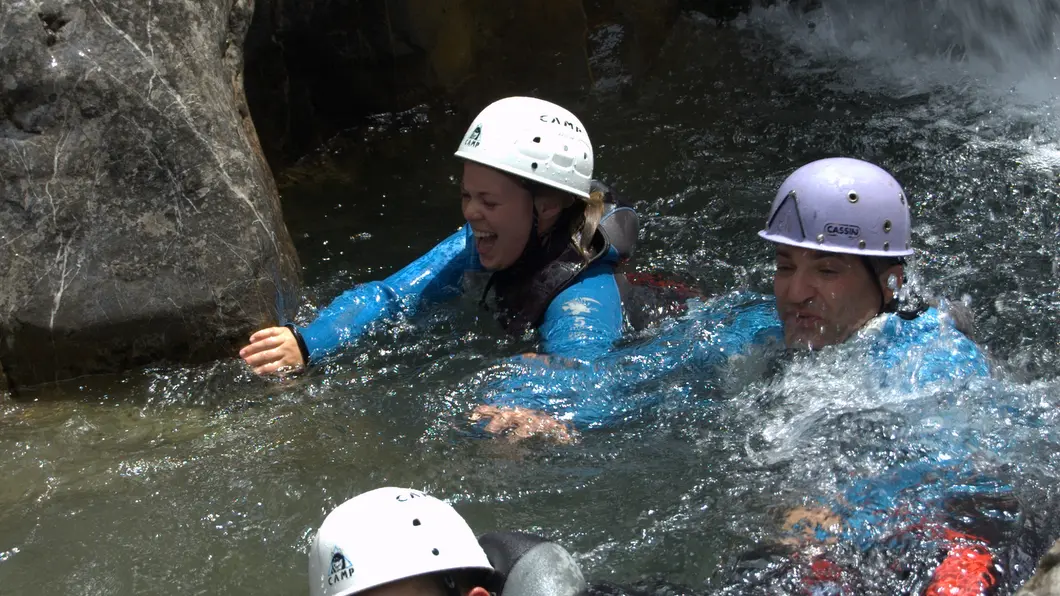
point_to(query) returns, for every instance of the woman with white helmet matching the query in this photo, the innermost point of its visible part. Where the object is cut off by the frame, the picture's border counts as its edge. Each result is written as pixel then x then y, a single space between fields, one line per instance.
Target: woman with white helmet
pixel 402 542
pixel 543 234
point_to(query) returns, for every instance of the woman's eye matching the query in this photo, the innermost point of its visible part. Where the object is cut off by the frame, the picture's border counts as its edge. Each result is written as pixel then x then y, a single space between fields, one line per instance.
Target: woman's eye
pixel 489 204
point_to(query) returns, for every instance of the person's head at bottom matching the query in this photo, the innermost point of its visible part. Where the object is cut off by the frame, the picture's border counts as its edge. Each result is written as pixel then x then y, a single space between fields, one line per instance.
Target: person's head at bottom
pixel 396 542
pixel 841 228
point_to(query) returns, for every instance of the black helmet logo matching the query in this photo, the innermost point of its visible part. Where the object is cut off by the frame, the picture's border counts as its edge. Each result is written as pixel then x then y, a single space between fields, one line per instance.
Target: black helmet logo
pixel 338 562
pixel 341 568
pixel 472 139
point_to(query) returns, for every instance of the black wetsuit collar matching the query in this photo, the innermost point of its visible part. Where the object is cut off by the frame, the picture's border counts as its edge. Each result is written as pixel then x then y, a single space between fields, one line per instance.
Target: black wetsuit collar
pixel 538 252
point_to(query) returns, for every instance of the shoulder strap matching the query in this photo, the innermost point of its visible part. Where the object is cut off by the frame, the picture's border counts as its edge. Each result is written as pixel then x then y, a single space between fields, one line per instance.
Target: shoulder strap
pixel 620 224
pixel 522 302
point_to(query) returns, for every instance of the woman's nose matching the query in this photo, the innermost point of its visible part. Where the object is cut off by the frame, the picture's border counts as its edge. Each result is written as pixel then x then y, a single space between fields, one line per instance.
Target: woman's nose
pixel 471 209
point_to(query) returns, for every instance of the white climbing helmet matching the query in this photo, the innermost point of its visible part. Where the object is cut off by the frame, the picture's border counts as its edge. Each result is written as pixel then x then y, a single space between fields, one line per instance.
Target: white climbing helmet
pixel 389 534
pixel 533 139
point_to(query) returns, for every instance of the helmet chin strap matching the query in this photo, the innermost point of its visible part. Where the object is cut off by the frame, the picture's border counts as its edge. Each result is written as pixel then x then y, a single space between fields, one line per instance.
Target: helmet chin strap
pixel 533 241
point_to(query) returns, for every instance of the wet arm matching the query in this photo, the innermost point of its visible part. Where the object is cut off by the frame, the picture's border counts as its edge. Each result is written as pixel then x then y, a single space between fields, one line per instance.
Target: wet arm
pixel 590 387
pixel 432 277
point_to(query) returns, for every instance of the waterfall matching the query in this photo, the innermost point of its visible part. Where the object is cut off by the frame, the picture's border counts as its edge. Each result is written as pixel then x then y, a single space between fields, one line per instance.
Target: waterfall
pixel 1002 47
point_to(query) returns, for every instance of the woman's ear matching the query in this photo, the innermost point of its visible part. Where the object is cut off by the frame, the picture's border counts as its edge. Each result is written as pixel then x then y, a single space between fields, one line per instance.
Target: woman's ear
pixel 551 204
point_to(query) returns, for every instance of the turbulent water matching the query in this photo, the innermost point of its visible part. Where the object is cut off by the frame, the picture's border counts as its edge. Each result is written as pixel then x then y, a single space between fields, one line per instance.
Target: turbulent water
pixel 207 480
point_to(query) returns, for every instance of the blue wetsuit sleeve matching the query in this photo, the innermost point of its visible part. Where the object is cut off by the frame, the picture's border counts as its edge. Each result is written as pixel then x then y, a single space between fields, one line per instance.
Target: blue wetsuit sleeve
pixel 598 388
pixel 433 277
pixel 929 350
pixel 876 509
pixel 577 331
pixel 585 319
pixel 957 358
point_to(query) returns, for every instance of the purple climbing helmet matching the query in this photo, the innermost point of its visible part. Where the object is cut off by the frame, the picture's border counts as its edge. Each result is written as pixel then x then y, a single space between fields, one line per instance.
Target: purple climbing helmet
pixel 841 205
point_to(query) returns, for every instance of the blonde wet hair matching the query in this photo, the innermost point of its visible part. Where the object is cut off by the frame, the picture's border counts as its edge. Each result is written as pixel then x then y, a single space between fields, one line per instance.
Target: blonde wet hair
pixel 582 214
pixel 583 226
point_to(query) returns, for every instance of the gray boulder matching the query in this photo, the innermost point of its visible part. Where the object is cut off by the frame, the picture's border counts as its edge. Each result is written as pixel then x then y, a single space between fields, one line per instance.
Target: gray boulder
pixel 1046 579
pixel 139 222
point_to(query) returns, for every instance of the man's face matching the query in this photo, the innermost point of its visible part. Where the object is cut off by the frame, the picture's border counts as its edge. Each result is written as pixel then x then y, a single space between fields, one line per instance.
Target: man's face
pixel 822 297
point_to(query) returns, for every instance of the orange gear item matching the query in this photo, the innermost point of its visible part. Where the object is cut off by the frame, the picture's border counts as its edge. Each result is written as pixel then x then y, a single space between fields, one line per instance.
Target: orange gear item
pixel 967 570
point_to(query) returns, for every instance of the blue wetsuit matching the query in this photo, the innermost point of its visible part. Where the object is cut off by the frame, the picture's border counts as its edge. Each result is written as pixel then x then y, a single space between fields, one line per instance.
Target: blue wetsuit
pixel 911 353
pixel 583 320
pixel 917 365
pixel 915 354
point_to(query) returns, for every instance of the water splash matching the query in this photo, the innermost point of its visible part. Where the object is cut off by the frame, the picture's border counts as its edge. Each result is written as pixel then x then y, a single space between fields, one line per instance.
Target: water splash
pixel 991 66
pixel 912 46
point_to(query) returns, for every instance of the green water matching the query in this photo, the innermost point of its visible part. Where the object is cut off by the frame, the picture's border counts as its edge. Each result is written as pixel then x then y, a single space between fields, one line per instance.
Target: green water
pixel 207 480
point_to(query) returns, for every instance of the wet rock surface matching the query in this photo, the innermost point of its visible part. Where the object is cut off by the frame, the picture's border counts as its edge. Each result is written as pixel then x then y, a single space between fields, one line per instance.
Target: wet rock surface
pixel 139 221
pixel 1046 579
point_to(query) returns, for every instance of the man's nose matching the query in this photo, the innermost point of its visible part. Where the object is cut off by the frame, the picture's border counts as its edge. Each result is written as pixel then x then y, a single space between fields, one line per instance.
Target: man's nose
pixel 800 288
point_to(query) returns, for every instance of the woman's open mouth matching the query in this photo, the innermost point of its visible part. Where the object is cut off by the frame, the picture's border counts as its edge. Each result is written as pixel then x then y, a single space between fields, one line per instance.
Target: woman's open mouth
pixel 484 241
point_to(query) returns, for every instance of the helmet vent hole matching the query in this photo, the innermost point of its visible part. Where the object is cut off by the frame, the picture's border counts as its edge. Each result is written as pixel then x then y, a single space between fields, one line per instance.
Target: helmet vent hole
pixel 533 166
pixel 415 522
pixel 886 225
pixel 861 244
pixel 852 197
pixel 886 246
pixel 435 552
pixel 820 238
pixel 585 156
pixel 537 139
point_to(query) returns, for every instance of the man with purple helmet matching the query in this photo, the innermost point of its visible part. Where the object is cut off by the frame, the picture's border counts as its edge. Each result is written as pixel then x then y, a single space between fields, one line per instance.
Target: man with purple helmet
pixel 841 227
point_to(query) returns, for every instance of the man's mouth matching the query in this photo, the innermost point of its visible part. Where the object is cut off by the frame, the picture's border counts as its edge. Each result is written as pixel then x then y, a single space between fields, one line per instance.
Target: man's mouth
pixel 805 319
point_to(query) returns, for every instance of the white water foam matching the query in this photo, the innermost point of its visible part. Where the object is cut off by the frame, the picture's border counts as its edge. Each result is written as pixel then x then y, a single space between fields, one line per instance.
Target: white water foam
pixel 994 64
